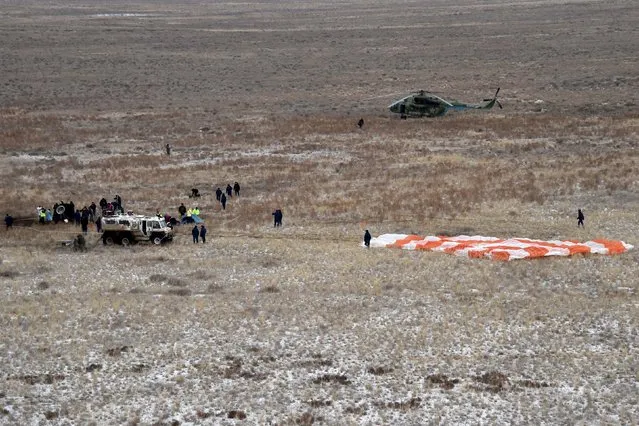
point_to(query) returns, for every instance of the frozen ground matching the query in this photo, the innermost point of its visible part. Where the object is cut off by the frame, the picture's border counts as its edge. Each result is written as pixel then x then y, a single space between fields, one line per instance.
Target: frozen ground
pixel 271 333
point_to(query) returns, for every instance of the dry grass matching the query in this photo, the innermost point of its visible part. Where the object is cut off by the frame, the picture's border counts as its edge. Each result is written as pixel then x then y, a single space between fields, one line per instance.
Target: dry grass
pixel 300 324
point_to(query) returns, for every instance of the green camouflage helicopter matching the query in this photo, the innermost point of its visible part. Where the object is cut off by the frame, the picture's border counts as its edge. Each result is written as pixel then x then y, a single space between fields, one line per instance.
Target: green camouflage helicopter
pixel 424 104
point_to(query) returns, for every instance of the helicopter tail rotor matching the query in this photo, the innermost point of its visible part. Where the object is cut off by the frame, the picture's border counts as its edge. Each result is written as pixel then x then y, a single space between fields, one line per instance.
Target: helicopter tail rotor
pixel 494 98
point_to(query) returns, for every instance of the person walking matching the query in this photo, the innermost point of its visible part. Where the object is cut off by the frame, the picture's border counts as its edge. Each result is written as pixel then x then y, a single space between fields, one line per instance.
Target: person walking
pixel 203 233
pixel 223 201
pixel 196 234
pixel 229 190
pixel 580 218
pixel 218 194
pixel 236 188
pixel 367 238
pixel 168 149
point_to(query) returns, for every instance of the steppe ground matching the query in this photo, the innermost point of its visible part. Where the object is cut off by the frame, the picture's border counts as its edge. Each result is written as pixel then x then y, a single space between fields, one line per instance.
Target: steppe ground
pixel 301 324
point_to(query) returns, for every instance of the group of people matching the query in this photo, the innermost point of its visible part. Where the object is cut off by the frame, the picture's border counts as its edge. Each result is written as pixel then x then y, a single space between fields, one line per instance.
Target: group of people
pixel 221 196
pixel 199 233
pixel 189 215
pixel 68 213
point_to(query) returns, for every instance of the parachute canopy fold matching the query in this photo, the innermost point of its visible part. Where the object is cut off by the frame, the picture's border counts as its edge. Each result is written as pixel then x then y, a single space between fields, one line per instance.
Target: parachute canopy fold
pixel 499 249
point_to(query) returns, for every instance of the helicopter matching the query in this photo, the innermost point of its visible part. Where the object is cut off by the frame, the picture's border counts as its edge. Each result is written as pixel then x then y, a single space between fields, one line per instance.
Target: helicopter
pixel 425 104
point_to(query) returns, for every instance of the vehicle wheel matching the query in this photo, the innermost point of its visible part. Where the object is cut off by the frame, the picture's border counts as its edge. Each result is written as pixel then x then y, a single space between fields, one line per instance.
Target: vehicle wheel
pixel 125 241
pixel 157 240
pixel 108 240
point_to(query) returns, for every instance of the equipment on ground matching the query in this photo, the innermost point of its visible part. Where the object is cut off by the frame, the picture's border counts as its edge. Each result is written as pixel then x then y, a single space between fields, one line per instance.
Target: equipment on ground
pixel 130 229
pixel 60 209
pixel 425 104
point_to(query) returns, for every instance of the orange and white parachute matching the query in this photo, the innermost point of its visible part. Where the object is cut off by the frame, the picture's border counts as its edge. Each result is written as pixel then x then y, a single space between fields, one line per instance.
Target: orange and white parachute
pixel 497 248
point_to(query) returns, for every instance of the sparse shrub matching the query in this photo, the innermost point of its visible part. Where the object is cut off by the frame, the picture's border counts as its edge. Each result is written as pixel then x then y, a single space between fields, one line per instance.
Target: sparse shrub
pixel 316 403
pixel 175 282
pixel 305 419
pixel 214 288
pixel 236 414
pixel 179 291
pixel 495 380
pixel 201 414
pixel 50 415
pixel 527 383
pixel 9 273
pixel 43 285
pixel 442 380
pixel 337 378
pixel 157 278
pixel 378 371
pixel 93 367
pixel 270 289
pixel 118 350
pixel 199 275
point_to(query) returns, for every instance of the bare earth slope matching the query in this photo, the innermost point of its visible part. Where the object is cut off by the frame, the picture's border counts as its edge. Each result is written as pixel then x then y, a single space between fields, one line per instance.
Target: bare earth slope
pixel 301 324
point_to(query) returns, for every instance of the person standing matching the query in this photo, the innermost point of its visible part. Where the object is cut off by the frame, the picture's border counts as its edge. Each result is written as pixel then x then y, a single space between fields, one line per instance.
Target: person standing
pixel 98 224
pixel 182 210
pixel 218 194
pixel 168 149
pixel 203 233
pixel 8 220
pixel 223 201
pixel 367 238
pixel 229 190
pixel 236 188
pixel 84 221
pixel 277 218
pixel 196 234
pixel 580 218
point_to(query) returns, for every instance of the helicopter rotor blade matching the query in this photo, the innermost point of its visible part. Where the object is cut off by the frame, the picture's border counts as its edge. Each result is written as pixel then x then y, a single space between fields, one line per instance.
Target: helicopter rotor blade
pixel 385 96
pixel 500 107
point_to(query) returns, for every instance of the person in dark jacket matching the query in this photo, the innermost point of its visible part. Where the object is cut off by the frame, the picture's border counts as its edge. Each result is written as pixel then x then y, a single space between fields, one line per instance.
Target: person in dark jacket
pixel 203 233
pixel 196 234
pixel 367 238
pixel 84 221
pixel 218 194
pixel 277 218
pixel 8 220
pixel 182 210
pixel 580 218
pixel 236 188
pixel 223 201
pixel 229 190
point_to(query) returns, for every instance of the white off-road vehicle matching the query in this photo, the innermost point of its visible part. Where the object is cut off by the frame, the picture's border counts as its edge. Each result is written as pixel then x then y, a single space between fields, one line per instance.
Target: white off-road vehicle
pixel 129 229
